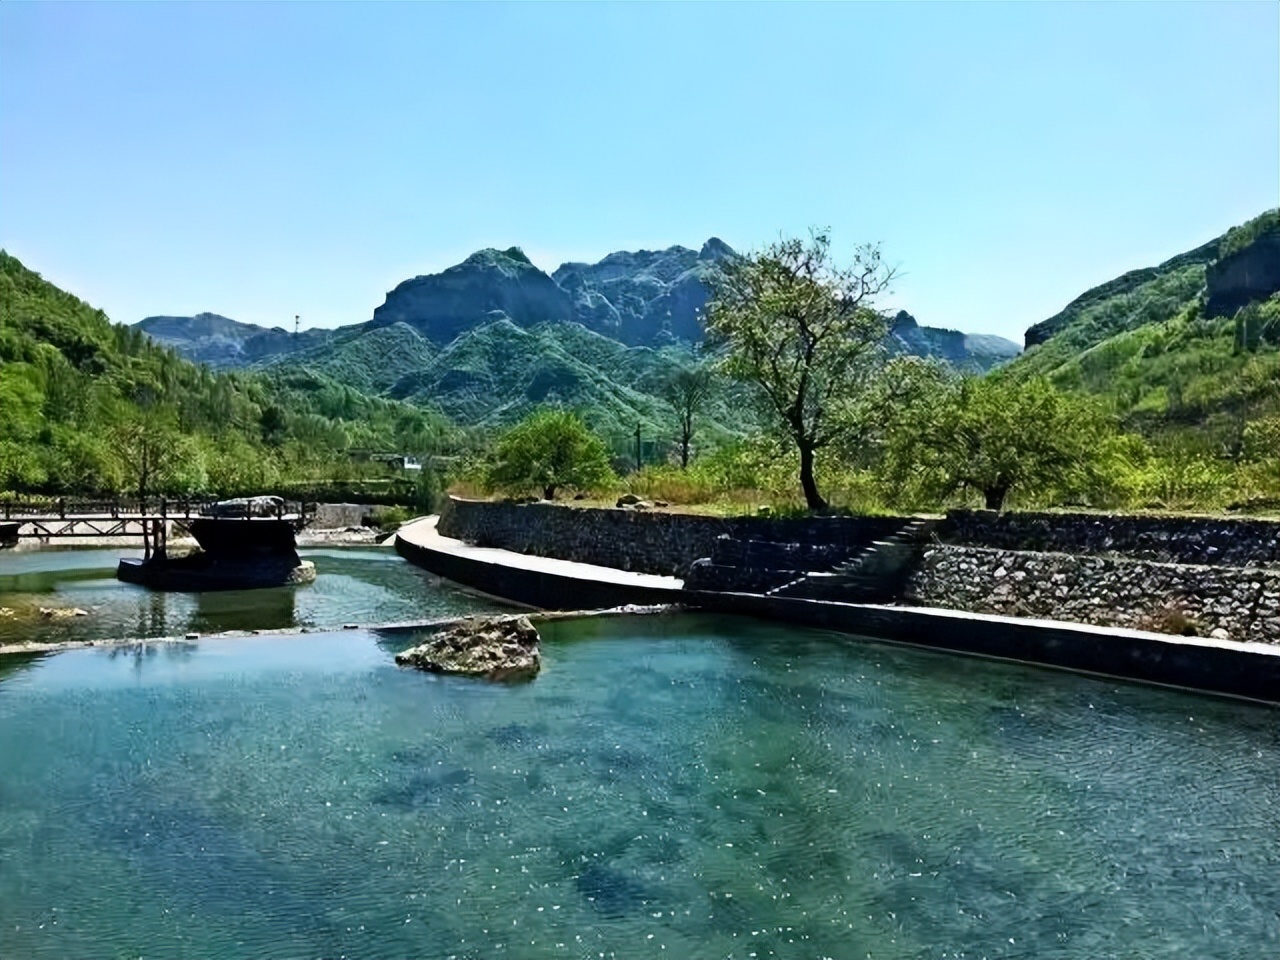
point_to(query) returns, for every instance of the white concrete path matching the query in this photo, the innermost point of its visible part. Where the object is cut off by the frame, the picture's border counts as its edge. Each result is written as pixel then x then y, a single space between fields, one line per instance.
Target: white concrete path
pixel 422 533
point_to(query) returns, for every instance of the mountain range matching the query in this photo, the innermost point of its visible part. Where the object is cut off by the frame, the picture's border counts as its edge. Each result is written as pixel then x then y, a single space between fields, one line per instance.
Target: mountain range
pixel 1187 351
pixel 489 338
pixel 1167 347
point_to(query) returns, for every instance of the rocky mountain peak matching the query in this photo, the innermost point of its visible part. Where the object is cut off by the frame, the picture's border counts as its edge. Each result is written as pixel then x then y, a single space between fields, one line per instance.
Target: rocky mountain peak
pixel 715 249
pixel 442 305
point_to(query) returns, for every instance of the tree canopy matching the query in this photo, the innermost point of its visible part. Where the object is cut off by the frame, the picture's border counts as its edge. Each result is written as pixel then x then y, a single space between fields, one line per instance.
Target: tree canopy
pixel 804 331
pixel 995 434
pixel 549 450
pixel 689 390
pixel 88 406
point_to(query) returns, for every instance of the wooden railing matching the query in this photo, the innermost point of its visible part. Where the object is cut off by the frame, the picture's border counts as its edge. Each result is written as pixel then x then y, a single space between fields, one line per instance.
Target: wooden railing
pixel 164 508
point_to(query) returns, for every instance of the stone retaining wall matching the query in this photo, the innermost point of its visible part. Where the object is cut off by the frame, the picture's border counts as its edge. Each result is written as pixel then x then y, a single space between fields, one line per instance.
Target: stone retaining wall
pixel 1195 540
pixel 1156 573
pixel 336 516
pixel 1236 603
pixel 638 540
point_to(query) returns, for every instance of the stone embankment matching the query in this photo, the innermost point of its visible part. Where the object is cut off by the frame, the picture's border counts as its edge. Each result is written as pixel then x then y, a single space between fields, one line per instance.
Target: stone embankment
pixel 1217 541
pixel 665 544
pixel 1208 577
pixel 1224 602
pixel 1195 576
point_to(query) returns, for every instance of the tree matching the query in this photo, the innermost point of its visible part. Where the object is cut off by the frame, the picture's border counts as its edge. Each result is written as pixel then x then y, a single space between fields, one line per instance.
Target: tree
pixel 549 449
pixel 995 434
pixel 154 456
pixel 274 426
pixel 804 332
pixel 688 391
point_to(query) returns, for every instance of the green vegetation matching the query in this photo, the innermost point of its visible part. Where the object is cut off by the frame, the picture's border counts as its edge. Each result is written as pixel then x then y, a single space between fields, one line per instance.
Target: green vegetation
pixel 1237 238
pixel 92 407
pixel 547 451
pixel 1133 397
pixel 802 330
pixel 996 434
pixel 689 391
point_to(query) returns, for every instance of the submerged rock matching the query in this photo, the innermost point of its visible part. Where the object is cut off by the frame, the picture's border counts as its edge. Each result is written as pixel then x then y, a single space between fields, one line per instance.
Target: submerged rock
pixel 62 613
pixel 496 648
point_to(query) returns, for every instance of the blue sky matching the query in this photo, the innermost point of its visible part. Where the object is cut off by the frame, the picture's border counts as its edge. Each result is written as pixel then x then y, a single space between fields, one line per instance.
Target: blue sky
pixel 266 160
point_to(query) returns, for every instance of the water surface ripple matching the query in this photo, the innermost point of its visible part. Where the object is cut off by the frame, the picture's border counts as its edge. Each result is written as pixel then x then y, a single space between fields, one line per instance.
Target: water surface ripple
pixel 682 787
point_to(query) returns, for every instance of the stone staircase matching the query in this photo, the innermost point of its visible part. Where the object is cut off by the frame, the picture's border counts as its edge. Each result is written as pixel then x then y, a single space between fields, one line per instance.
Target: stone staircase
pixel 875 574
pixel 854 569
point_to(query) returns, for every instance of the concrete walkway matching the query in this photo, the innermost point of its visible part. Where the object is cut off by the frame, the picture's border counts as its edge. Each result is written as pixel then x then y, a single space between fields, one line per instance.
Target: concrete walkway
pixel 541 582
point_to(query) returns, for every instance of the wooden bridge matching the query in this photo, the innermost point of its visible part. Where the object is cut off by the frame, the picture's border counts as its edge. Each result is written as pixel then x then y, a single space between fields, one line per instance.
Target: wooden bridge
pixel 151 521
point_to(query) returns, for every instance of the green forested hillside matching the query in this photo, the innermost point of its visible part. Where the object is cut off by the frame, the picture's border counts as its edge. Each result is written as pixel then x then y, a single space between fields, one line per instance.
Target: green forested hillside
pixel 496 374
pixel 89 405
pixel 370 361
pixel 1148 345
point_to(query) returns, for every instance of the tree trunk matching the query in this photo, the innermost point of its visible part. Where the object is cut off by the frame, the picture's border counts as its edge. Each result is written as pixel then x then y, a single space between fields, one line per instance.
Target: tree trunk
pixel 684 452
pixel 995 496
pixel 548 493
pixel 812 498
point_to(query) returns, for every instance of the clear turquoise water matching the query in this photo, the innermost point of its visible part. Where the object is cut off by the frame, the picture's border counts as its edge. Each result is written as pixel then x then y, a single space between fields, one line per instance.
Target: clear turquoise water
pixel 680 787
pixel 365 585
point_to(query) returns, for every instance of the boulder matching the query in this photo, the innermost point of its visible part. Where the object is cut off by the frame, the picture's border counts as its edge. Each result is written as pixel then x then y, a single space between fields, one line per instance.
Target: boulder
pixel 496 648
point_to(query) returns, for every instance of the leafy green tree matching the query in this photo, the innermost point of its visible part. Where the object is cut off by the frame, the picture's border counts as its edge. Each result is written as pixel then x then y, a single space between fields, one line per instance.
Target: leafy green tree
pixel 996 434
pixel 152 454
pixel 274 426
pixel 548 450
pixel 688 391
pixel 802 330
pixel 20 468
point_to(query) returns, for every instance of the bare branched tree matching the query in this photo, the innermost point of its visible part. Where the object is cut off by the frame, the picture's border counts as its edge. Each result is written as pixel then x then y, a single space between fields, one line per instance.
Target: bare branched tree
pixel 806 333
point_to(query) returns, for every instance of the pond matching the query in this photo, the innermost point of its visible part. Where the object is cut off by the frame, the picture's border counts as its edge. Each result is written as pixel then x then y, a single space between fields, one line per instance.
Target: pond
pixel 677 786
pixel 367 585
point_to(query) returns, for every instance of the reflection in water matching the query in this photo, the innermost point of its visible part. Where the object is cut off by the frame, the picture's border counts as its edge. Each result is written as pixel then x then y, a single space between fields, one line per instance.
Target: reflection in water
pixel 17 662
pixel 223 610
pixel 682 786
pixel 353 585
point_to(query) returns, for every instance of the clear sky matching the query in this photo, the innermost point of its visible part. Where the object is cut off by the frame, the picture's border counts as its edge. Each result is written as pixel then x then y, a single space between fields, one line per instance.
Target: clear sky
pixel 266 160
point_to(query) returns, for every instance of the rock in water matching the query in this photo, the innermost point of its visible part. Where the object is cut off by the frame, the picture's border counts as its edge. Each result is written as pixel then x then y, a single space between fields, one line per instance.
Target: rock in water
pixel 496 648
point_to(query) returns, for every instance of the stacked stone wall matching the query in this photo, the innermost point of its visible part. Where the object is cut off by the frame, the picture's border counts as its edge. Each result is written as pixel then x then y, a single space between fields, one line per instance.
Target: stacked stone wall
pixel 639 540
pixel 1207 576
pixel 1191 540
pixel 1236 603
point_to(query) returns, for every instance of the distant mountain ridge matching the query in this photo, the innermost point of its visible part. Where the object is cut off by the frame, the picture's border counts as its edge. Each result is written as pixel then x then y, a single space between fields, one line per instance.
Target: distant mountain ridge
pixel 648 298
pixel 1187 350
pixel 488 339
pixel 222 342
pixel 971 352
pixel 641 298
pixel 1231 271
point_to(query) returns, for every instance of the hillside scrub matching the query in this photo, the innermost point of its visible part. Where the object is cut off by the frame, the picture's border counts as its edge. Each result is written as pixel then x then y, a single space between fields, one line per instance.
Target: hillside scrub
pixel 92 407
